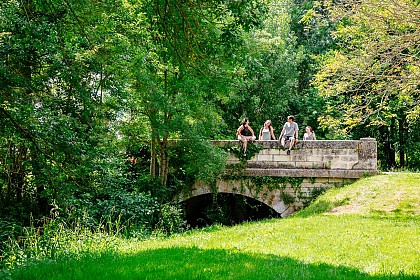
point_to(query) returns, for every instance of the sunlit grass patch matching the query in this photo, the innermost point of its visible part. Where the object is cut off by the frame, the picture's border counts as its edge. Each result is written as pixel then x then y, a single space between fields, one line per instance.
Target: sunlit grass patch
pixel 381 194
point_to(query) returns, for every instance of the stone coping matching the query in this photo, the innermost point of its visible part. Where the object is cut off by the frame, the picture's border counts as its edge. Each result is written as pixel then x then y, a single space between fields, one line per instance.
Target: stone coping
pixel 307 173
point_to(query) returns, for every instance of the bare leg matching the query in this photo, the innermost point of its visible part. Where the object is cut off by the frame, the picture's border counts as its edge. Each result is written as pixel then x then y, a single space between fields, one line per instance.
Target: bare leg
pixel 292 143
pixel 244 141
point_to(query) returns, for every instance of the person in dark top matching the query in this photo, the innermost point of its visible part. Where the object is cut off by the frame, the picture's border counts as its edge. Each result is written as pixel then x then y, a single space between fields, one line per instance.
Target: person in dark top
pixel 245 133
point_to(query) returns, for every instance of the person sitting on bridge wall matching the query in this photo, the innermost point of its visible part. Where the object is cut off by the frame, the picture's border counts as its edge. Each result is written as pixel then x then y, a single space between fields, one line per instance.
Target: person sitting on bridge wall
pixel 245 133
pixel 267 132
pixel 289 133
pixel 309 134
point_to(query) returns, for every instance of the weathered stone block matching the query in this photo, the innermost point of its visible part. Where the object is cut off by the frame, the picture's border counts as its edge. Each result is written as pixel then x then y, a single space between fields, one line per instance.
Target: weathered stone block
pixel 264 157
pixel 338 164
pixel 274 151
pixel 340 151
pixel 300 157
pixel 310 164
pixel 318 180
pixel 281 158
pixel 313 158
pixel 304 152
pixel 349 158
pixel 266 152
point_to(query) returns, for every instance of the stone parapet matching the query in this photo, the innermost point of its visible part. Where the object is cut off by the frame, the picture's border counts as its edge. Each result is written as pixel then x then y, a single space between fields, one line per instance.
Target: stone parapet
pixel 316 159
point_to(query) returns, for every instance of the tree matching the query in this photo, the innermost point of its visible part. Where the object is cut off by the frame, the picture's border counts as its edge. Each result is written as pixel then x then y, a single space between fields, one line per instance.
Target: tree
pixel 372 79
pixel 56 99
pixel 268 66
pixel 179 71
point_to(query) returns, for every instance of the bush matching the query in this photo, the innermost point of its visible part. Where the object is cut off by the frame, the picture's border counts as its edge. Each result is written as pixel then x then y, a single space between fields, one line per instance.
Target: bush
pixel 129 210
pixel 171 220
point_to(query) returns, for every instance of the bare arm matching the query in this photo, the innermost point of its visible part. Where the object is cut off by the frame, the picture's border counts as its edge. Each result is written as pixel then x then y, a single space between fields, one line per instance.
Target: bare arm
pixel 272 133
pixel 282 132
pixel 239 130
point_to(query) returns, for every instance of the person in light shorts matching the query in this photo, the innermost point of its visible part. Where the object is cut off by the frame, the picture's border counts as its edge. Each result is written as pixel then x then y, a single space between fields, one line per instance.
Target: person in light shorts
pixel 289 133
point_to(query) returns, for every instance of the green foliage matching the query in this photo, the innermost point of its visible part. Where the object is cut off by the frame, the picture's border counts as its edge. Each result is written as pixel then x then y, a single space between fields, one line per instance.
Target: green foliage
pixel 51 239
pixel 92 94
pixel 266 74
pixel 253 148
pixel 54 108
pixel 171 220
pixel 370 80
pixel 133 210
pixel 198 160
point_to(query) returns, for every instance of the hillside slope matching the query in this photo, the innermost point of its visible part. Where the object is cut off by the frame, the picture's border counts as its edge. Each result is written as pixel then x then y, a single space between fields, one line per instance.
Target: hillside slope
pixel 385 194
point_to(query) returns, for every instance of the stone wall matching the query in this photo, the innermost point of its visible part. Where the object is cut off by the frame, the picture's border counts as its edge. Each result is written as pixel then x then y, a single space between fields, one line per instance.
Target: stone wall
pixel 321 158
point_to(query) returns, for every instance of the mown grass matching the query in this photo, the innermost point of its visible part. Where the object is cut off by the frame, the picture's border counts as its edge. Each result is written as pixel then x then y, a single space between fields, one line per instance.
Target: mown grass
pixel 367 230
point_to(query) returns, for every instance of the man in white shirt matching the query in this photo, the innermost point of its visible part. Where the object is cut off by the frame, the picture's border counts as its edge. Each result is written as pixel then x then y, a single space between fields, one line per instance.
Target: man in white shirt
pixel 289 133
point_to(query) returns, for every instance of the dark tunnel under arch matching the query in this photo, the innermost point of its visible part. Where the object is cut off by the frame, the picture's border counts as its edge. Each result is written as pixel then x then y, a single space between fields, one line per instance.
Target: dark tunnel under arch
pixel 224 208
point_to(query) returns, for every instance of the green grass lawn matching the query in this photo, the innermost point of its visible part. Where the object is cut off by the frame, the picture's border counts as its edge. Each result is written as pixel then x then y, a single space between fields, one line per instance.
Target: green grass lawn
pixel 367 230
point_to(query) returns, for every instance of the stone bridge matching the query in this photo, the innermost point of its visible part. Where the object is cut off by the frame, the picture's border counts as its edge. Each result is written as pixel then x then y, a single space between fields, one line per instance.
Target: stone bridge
pixel 286 183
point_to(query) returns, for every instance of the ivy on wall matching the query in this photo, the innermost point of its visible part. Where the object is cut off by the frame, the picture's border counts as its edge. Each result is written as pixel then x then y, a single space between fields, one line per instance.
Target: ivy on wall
pixel 253 148
pixel 256 184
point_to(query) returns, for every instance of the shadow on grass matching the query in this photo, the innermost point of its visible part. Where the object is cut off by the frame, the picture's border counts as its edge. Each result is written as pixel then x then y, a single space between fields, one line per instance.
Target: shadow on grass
pixel 320 206
pixel 189 263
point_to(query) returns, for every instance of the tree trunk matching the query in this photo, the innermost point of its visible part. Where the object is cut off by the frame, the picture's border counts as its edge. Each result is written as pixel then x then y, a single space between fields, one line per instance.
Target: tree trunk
pixel 164 161
pixel 401 138
pixel 388 159
pixel 153 156
pixel 391 144
pixel 39 178
pixel 16 173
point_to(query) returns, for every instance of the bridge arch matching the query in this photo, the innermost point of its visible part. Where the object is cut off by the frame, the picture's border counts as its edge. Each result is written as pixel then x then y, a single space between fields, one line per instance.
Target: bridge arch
pixel 273 198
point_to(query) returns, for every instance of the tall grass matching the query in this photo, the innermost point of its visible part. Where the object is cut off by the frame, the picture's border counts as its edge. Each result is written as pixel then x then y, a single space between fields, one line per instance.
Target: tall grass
pixel 52 238
pixel 367 230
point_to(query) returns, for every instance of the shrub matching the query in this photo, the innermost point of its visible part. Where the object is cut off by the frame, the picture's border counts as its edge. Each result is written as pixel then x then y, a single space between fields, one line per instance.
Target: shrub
pixel 171 219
